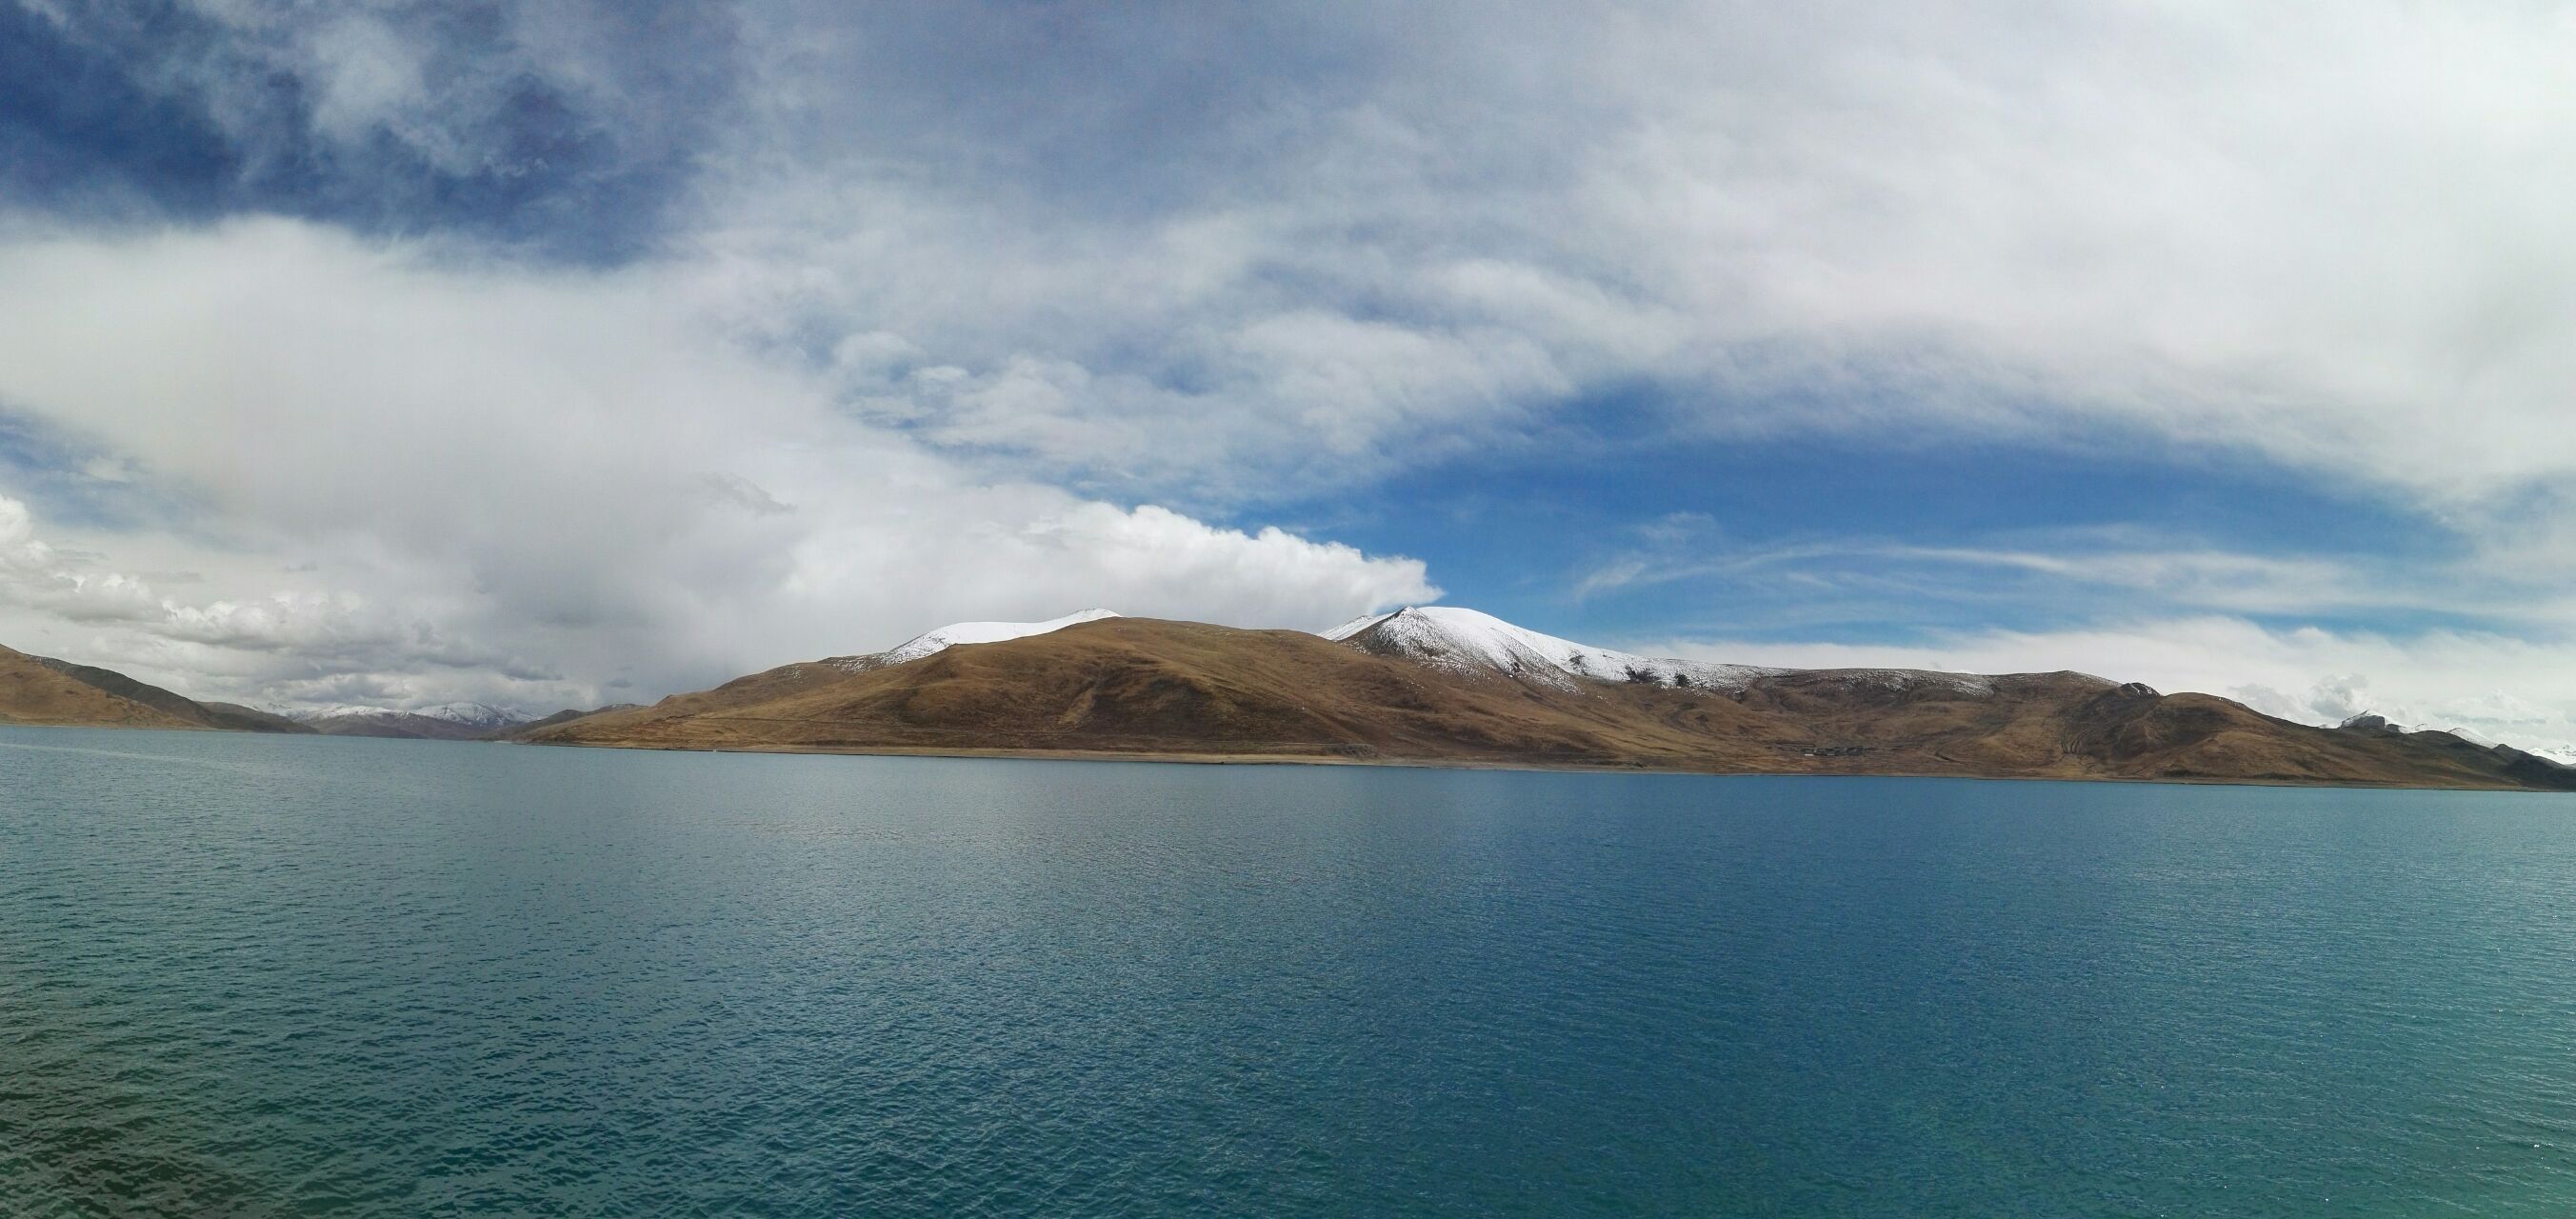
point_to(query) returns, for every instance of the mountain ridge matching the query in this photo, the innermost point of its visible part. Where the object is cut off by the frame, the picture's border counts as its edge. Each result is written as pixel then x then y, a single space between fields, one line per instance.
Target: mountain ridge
pixel 942 638
pixel 1454 689
pixel 459 721
pixel 1433 685
pixel 41 690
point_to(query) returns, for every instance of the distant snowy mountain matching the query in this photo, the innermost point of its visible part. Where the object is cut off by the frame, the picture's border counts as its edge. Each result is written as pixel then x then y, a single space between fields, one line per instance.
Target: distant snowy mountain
pixel 473 715
pixel 1465 641
pixel 445 721
pixel 2371 722
pixel 955 633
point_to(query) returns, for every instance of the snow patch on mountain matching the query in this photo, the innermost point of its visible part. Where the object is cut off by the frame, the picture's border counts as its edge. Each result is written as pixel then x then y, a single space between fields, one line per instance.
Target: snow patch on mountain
pixel 474 715
pixel 1975 685
pixel 471 715
pixel 307 715
pixel 955 633
pixel 2369 722
pixel 1465 641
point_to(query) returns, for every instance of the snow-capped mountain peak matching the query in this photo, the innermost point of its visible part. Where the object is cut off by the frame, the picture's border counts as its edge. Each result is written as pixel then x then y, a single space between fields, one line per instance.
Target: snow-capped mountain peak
pixel 955 633
pixel 2478 739
pixel 334 711
pixel 1464 640
pixel 471 715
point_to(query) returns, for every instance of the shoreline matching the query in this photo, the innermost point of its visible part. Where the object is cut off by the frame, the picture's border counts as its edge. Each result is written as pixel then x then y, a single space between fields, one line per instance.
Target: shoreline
pixel 1186 758
pixel 1485 764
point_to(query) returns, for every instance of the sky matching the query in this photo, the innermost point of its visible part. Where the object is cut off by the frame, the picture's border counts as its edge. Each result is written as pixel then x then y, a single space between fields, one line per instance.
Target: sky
pixel 552 354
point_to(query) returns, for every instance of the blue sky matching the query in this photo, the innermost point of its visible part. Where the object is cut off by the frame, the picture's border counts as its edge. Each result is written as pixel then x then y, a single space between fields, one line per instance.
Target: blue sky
pixel 544 354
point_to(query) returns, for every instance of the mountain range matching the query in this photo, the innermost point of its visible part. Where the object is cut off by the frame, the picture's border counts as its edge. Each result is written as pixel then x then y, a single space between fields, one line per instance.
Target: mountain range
pixel 1453 686
pixel 41 690
pixel 1422 685
pixel 445 722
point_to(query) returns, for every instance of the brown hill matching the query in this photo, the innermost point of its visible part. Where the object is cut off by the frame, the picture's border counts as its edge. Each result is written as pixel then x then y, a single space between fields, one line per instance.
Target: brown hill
pixel 34 690
pixel 227 717
pixel 1141 687
pixel 238 718
pixel 518 732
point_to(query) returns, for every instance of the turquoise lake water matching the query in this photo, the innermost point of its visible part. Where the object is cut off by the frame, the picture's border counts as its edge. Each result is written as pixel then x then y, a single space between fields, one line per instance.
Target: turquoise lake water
pixel 298 976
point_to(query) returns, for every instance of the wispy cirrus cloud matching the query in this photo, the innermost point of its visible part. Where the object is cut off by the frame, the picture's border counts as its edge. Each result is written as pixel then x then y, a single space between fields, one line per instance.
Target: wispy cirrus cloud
pixel 2144 567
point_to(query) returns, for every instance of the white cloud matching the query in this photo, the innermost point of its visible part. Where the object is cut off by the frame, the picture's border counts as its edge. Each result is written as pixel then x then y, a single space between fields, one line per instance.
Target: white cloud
pixel 2314 230
pixel 904 306
pixel 370 79
pixel 1189 256
pixel 567 464
pixel 2323 233
pixel 2081 573
pixel 49 593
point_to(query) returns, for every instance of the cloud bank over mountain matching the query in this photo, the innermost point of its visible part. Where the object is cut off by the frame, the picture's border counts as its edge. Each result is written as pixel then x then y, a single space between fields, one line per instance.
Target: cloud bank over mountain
pixel 531 486
pixel 432 351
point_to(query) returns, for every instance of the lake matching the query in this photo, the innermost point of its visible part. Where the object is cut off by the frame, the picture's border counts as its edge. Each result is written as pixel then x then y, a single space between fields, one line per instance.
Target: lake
pixel 303 976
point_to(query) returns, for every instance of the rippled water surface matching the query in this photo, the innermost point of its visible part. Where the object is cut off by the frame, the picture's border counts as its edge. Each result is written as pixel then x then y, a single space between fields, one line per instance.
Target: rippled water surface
pixel 283 976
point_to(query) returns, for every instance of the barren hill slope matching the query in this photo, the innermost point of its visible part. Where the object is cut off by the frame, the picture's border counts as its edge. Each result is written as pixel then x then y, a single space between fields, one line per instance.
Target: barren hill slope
pixel 1140 686
pixel 43 690
pixel 1189 690
pixel 33 691
pixel 228 717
